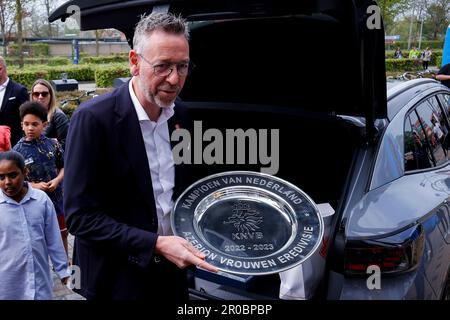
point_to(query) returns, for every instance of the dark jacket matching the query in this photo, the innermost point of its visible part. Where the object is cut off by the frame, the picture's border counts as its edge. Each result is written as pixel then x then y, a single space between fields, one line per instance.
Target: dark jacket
pixel 445 70
pixel 109 203
pixel 15 95
pixel 58 127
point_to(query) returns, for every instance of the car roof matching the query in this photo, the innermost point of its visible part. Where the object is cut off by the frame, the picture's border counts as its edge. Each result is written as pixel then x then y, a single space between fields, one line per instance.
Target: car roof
pixel 343 55
pixel 403 92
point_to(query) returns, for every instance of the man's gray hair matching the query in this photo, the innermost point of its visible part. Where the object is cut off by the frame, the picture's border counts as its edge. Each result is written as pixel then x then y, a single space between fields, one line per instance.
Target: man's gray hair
pixel 167 22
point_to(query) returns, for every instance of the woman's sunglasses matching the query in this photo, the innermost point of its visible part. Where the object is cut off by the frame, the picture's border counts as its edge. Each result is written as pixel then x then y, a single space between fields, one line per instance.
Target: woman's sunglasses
pixel 44 94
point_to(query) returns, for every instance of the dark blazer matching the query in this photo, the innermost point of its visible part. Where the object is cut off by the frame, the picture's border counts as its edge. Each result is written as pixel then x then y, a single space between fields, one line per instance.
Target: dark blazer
pixel 15 95
pixel 57 127
pixel 109 204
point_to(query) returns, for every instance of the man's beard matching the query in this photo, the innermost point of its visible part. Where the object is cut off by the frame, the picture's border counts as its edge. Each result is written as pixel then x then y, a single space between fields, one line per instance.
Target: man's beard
pixel 161 103
pixel 152 98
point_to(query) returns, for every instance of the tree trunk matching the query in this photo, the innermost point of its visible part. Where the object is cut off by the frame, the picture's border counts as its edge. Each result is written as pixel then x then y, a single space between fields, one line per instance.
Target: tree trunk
pixel 47 7
pixel 19 31
pixel 2 29
pixel 3 25
pixel 5 52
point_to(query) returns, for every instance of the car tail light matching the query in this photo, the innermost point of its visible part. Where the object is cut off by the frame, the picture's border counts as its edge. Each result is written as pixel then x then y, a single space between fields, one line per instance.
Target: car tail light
pixel 394 254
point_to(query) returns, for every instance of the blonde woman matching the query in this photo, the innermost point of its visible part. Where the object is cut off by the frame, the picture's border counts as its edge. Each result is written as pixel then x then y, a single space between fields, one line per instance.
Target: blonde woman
pixel 58 122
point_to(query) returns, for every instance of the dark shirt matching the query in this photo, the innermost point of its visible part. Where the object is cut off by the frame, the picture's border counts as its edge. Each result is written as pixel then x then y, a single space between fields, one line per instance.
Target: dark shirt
pixel 43 159
pixel 57 127
pixel 445 70
pixel 421 157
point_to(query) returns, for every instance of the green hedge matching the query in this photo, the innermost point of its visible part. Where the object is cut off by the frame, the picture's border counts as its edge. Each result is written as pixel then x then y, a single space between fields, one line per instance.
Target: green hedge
pixel 104 77
pixel 433 44
pixel 54 61
pixel 28 75
pixel 434 57
pixel 403 64
pixel 59 61
pixel 33 49
pixel 78 72
pixel 439 62
pixel 105 59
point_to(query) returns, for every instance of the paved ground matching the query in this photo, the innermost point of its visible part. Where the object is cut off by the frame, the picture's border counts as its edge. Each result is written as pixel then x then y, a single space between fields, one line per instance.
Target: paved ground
pixel 60 291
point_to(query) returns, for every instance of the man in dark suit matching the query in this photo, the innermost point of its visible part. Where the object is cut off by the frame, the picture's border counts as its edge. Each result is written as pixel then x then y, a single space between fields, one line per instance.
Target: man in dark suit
pixel 444 75
pixel 12 95
pixel 120 178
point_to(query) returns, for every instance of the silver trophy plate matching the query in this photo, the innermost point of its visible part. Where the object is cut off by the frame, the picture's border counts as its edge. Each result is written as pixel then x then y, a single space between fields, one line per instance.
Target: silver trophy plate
pixel 248 223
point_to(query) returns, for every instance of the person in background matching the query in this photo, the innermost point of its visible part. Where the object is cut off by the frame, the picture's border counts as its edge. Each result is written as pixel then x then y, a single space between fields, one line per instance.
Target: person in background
pixel 5 138
pixel 12 95
pixel 426 58
pixel 443 75
pixel 44 159
pixel 398 53
pixel 29 236
pixel 57 121
pixel 421 153
pixel 414 53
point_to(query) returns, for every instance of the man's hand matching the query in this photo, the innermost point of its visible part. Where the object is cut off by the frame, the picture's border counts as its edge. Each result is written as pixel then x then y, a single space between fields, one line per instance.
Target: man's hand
pixel 181 252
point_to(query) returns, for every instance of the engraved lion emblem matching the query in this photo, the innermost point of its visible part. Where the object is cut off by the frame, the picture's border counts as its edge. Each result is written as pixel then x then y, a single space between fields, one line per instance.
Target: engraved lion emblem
pixel 244 219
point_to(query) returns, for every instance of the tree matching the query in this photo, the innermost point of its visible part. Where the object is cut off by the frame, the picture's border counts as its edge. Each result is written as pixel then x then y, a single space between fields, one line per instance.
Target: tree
pixel 390 10
pixel 19 31
pixel 47 8
pixel 7 14
pixel 437 18
pixel 38 25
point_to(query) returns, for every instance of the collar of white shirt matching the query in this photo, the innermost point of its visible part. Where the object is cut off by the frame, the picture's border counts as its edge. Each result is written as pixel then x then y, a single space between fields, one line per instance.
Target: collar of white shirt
pixel 142 115
pixel 4 84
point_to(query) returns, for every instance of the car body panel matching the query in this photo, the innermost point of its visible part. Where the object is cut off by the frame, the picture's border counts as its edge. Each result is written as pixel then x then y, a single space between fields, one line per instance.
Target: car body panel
pixel 437 252
pixel 391 207
pixel 413 285
pixel 424 282
pixel 389 164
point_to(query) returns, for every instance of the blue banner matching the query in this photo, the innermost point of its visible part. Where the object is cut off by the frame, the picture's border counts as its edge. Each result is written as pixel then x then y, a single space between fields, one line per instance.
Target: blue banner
pixel 446 52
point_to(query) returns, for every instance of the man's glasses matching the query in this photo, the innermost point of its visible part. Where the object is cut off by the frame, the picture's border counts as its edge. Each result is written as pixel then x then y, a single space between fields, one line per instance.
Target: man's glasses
pixel 36 94
pixel 165 69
